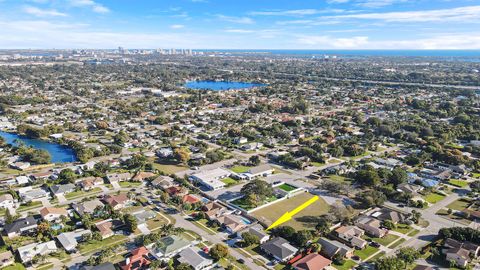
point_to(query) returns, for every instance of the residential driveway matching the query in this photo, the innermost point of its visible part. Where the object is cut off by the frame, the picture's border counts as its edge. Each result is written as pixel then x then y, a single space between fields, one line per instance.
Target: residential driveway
pixel 143 229
pixel 45 202
pixel 104 189
pixel 115 185
pixel 61 199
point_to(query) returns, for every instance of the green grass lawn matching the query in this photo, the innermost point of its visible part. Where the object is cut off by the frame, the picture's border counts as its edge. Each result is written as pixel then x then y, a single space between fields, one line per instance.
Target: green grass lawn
pixel 459 204
pixel 476 175
pixel 384 241
pixel 377 256
pixel 243 203
pixel 349 264
pixel 169 168
pixel 318 164
pixel 230 181
pixel 273 212
pixel 240 169
pixel 366 252
pixel 129 184
pixel 156 222
pixel 98 245
pixel 434 197
pixel 16 266
pixel 338 178
pixel 287 187
pixel 82 193
pixel 29 206
pixel 458 183
pixel 402 228
pixel 413 233
pixel 396 244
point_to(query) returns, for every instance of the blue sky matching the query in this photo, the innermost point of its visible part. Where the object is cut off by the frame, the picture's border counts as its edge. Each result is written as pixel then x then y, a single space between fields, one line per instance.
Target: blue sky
pixel 246 24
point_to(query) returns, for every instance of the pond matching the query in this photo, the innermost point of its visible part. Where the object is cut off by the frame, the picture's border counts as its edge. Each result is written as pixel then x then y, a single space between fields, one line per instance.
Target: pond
pixel 59 153
pixel 221 85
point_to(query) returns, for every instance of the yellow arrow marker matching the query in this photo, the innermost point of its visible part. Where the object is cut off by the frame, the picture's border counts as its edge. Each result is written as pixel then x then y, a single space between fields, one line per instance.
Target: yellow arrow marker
pixel 288 215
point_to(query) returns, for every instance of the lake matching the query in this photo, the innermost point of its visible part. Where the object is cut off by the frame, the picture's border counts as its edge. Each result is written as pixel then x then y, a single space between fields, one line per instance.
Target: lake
pixel 60 153
pixel 221 85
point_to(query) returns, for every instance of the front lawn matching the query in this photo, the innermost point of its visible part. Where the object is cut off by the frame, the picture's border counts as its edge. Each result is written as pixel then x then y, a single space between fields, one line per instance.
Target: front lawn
pixel 16 266
pixel 366 252
pixel 458 183
pixel 82 193
pixel 398 243
pixel 434 197
pixel 287 187
pixel 349 264
pixel 459 204
pixel 384 241
pixel 243 203
pixel 402 228
pixel 29 206
pixel 230 181
pixel 129 184
pixel 93 245
pixel 240 169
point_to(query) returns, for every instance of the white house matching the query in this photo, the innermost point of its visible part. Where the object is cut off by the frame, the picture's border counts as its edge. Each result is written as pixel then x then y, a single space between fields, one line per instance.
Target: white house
pixel 211 178
pixel 28 252
pixel 6 201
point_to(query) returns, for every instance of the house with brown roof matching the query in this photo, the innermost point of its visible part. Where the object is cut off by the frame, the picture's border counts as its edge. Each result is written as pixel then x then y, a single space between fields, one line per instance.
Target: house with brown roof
pixel 189 198
pixel 117 201
pixel 213 210
pixel 105 228
pixel 138 259
pixel 458 255
pixel 53 214
pixel 352 236
pixel 6 259
pixel 231 223
pixel 89 183
pixel 371 226
pixel 142 176
pixel 312 261
pixel 176 191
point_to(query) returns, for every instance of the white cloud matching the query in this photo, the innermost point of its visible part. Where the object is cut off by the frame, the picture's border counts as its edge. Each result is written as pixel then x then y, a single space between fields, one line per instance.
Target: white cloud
pixel 239 31
pixel 293 12
pixel 460 14
pixel 332 42
pixel 43 12
pixel 96 7
pixel 337 1
pixel 240 20
pixel 177 26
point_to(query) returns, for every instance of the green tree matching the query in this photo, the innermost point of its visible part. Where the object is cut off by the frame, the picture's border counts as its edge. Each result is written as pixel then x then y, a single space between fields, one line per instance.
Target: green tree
pixel 398 176
pixel 218 251
pixel 250 239
pixel 130 222
pixel 258 190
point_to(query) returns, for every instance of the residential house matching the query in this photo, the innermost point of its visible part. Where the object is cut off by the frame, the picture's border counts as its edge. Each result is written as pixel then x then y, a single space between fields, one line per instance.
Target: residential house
pixel 279 248
pixel 213 210
pixel 28 252
pixel 53 214
pixel 176 191
pixel 62 189
pixel 472 248
pixel 103 266
pixel 168 247
pixel 191 199
pixel 87 207
pixel 89 183
pixel 118 177
pixel 138 259
pixel 6 259
pixel 7 201
pixel 163 182
pixel 371 226
pixel 458 255
pixel 352 236
pixel 195 257
pixel 330 248
pixel 20 226
pixel 117 201
pixel 231 223
pixel 211 178
pixel 312 261
pixel 256 230
pixel 105 228
pixel 258 171
pixel 70 240
pixel 387 214
pixel 141 176
pixel 28 194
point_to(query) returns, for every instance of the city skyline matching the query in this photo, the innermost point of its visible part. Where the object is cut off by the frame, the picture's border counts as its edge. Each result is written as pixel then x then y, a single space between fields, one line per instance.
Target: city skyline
pixel 212 24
